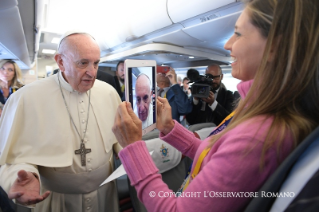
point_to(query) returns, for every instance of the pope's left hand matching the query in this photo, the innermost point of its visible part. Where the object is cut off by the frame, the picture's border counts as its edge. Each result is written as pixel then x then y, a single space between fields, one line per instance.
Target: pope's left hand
pixel 127 126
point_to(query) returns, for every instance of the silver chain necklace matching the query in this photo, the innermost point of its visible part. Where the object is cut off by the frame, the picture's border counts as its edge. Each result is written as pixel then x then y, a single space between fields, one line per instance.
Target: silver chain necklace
pixel 82 151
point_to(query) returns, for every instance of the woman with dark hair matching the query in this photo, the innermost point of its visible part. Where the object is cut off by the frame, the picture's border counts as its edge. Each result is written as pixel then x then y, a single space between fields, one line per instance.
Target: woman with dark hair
pixel 10 79
pixel 275 54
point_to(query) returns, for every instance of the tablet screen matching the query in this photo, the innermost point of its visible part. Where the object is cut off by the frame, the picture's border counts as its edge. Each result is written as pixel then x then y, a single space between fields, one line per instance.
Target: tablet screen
pixel 141 94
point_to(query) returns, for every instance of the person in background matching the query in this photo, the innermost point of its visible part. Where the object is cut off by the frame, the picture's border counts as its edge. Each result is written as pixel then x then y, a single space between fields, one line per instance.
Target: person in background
pixel 185 87
pixel 179 80
pixel 119 79
pixel 217 106
pixel 277 110
pixel 10 79
pixel 58 158
pixel 170 89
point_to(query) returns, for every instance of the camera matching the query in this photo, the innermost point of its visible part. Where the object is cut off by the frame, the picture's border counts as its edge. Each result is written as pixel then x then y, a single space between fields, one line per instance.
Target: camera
pixel 202 83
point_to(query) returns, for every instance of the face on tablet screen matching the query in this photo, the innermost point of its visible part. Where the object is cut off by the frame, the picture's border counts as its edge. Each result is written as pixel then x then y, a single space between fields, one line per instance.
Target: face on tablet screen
pixel 143 94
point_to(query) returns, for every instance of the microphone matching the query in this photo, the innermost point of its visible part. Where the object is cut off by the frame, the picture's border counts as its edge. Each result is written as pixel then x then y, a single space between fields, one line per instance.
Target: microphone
pixel 192 74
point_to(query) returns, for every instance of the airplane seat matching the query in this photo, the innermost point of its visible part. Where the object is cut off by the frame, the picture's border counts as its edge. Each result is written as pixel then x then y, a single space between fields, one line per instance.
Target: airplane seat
pixel 293 175
pixel 172 166
pixel 125 203
pixel 174 171
pixel 153 134
pixel 122 185
pixel 202 129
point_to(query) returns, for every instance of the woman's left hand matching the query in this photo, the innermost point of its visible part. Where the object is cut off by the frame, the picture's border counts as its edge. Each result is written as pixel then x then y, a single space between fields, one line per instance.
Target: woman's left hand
pixel 127 126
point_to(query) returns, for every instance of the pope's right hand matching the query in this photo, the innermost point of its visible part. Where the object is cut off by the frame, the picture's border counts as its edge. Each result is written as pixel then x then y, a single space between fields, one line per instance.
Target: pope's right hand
pixel 26 189
pixel 164 122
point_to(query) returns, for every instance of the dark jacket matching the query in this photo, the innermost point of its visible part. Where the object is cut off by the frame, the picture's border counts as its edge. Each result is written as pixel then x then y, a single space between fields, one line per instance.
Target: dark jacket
pixel 11 91
pixel 225 99
pixel 178 101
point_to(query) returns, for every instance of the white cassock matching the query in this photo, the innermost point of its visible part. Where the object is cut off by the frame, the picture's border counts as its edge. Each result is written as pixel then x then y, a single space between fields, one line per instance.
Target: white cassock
pixel 37 135
pixel 149 119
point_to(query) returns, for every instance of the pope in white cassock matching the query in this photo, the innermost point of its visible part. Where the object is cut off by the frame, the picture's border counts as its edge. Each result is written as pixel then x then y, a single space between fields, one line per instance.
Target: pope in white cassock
pixel 56 139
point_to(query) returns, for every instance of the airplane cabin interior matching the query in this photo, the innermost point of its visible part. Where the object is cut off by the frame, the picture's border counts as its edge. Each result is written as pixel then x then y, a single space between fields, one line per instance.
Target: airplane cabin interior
pixel 170 32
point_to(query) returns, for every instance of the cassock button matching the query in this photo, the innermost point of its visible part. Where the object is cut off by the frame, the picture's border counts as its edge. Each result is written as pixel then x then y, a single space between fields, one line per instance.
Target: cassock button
pixel 90 170
pixel 88 208
pixel 89 159
pixel 83 121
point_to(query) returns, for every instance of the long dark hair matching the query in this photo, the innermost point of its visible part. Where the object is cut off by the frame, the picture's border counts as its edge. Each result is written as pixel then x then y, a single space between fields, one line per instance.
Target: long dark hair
pixel 286 85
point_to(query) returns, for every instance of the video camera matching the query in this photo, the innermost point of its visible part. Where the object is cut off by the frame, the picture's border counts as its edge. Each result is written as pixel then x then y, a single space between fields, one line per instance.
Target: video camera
pixel 202 83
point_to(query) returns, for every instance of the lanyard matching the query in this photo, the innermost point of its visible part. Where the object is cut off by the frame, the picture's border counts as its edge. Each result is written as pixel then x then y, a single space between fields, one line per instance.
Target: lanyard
pixel 223 124
pixel 201 157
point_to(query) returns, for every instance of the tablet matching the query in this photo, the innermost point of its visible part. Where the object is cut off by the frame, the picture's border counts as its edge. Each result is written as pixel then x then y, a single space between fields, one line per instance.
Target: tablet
pixel 140 91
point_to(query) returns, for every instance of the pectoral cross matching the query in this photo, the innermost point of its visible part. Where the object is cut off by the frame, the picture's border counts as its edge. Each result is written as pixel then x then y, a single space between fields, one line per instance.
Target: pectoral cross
pixel 82 151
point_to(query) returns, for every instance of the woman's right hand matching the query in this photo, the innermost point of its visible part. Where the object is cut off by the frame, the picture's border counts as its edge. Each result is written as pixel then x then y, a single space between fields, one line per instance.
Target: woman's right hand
pixel 164 122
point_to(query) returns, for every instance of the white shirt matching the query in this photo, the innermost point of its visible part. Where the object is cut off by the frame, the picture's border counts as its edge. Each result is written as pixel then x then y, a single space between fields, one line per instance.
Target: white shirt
pixel 163 94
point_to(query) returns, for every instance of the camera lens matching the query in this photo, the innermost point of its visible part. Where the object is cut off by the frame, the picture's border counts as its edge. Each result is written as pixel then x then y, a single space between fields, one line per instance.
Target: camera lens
pixel 201 90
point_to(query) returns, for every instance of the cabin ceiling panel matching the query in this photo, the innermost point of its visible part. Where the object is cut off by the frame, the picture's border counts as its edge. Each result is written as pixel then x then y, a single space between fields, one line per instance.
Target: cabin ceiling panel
pixel 6 53
pixel 13 36
pixel 128 29
pixel 110 22
pixel 214 33
pixel 148 16
pixel 180 38
pixel 180 10
pixel 156 48
pixel 188 33
pixel 27 13
pixel 5 4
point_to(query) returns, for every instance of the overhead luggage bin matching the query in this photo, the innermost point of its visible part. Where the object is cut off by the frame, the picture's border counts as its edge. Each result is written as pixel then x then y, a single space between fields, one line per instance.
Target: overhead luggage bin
pixel 12 34
pixel 180 10
pixel 215 28
pixel 202 36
